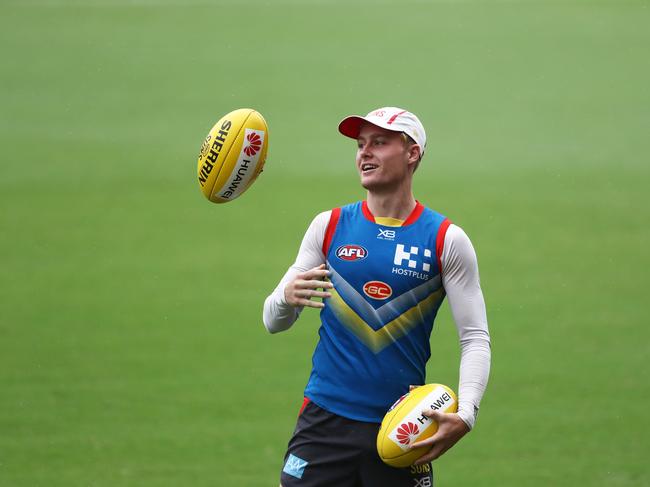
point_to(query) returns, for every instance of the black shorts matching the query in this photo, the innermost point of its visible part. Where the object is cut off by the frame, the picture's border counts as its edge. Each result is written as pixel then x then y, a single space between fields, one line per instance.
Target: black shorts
pixel 327 450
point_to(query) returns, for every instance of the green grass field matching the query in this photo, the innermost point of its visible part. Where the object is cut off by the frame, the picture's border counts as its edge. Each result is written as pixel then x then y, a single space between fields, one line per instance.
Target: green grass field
pixel 132 351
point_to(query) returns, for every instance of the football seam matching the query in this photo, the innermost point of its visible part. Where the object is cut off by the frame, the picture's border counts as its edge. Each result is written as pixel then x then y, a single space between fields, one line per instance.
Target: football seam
pixel 391 425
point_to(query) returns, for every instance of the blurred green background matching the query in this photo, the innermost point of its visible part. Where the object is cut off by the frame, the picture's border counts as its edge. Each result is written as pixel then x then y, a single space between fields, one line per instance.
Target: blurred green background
pixel 132 351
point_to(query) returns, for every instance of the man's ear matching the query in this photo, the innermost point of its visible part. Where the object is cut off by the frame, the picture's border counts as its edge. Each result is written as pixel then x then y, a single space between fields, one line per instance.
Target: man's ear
pixel 414 153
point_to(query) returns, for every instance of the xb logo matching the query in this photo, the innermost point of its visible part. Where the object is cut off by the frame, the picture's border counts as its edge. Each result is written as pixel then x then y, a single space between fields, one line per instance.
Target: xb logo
pixel 386 234
pixel 423 482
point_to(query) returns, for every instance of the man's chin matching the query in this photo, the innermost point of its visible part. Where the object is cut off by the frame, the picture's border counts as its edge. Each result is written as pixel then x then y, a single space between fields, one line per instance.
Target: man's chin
pixel 370 185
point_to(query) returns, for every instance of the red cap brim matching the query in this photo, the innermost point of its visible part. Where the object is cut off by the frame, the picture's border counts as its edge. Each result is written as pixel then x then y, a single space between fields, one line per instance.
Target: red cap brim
pixel 350 126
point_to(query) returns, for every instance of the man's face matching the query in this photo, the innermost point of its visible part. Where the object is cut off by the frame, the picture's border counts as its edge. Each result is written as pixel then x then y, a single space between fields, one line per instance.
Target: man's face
pixel 382 158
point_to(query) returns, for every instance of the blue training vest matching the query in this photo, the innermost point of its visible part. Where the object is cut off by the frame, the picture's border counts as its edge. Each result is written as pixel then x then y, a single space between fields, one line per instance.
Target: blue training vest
pixel 375 329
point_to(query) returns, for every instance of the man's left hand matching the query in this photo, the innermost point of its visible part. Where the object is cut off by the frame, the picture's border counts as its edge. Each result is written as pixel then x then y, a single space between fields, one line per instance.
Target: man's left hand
pixel 450 429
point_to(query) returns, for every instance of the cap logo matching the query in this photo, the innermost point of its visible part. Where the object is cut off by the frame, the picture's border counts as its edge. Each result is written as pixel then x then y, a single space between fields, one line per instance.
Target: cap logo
pixel 379 113
pixel 392 119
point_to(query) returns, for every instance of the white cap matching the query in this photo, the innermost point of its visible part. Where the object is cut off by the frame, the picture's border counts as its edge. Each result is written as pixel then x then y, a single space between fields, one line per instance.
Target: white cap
pixel 389 118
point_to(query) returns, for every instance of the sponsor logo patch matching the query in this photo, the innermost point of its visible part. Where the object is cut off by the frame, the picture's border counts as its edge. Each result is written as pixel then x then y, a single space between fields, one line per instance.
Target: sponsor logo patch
pixel 386 234
pixel 351 252
pixel 423 482
pixel 417 265
pixel 402 257
pixel 253 144
pixel 295 466
pixel 405 432
pixel 416 469
pixel 377 290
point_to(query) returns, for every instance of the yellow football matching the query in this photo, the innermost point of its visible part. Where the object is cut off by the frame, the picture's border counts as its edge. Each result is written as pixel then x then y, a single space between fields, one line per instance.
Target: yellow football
pixel 233 155
pixel 405 424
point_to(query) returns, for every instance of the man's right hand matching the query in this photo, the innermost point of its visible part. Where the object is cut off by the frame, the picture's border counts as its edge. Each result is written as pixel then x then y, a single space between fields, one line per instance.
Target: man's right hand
pixel 305 286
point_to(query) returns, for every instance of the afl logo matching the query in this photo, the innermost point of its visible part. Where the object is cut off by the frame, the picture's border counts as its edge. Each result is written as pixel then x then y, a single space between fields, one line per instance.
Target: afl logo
pixel 351 252
pixel 377 290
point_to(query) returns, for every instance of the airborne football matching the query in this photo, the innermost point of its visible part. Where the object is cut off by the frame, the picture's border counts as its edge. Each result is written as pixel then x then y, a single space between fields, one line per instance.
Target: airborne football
pixel 405 424
pixel 232 155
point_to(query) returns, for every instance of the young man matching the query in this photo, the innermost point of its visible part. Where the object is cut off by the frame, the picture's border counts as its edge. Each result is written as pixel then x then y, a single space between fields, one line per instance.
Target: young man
pixel 381 268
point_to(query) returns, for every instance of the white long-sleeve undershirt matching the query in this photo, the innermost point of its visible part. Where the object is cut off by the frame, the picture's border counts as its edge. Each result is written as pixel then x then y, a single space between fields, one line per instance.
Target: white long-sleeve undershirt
pixel 460 278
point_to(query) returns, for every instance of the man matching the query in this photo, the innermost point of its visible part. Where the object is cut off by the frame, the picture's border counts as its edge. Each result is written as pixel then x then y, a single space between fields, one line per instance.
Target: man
pixel 381 268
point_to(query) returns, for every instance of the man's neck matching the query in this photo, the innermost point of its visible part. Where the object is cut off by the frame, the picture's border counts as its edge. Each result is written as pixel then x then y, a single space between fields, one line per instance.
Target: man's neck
pixel 398 206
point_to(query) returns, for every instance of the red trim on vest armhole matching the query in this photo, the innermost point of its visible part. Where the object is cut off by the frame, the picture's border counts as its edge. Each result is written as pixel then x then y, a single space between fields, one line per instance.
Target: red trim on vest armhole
pixel 305 401
pixel 415 214
pixel 366 211
pixel 440 241
pixel 331 228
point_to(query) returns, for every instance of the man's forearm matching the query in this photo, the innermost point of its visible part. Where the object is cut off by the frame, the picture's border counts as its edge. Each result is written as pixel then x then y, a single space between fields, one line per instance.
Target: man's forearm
pixel 278 315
